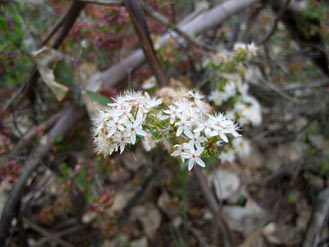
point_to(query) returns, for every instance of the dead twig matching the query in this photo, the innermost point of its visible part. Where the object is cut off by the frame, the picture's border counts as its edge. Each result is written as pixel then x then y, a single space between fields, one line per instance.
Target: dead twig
pixel 142 31
pixel 47 234
pixel 275 25
pixel 280 92
pixel 179 31
pixel 299 85
pixel 28 138
pixel 213 205
pixel 63 125
pixel 318 220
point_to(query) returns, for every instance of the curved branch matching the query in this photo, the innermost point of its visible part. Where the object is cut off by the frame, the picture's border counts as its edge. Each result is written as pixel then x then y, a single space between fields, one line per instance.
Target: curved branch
pixel 318 220
pixel 63 125
pixel 118 73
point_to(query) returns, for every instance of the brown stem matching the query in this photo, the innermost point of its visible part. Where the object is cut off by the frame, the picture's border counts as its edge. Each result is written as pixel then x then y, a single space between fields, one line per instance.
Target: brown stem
pixel 140 25
pixel 172 26
pixel 28 138
pixel 115 75
pixel 215 209
pixel 47 234
pixel 276 22
pixel 318 220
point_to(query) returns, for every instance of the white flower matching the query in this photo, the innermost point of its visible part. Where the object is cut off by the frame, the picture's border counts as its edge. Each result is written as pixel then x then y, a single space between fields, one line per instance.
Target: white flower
pixel 183 125
pixel 249 111
pixel 252 49
pixel 196 139
pixel 161 117
pixel 148 142
pixel 205 127
pixel 193 157
pixel 198 100
pixel 223 126
pixel 240 46
pixel 149 83
pixel 135 128
pixel 121 138
pixel 172 112
pixel 115 124
pixel 241 146
pixel 180 149
pixel 152 102
pixel 217 97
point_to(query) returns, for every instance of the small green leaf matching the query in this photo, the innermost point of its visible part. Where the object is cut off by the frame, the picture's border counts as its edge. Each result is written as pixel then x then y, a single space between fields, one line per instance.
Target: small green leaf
pixel 90 198
pixel 64 169
pixel 3 24
pixel 292 197
pixel 100 99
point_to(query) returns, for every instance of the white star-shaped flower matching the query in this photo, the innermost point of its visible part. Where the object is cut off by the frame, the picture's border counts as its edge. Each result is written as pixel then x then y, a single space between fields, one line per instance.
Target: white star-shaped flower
pixel 134 129
pixel 193 157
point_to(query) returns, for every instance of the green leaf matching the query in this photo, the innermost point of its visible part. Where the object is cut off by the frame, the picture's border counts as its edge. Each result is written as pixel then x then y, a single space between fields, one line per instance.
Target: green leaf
pixel 64 169
pixel 100 99
pixel 90 198
pixel 3 24
pixel 292 197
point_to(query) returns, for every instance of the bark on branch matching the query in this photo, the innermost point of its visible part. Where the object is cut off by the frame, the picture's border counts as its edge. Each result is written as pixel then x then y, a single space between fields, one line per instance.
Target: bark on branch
pixel 205 21
pixel 142 31
pixel 318 220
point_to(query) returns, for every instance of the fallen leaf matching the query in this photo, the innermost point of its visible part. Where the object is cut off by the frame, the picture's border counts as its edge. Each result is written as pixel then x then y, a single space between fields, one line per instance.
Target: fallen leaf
pixel 150 217
pixel 42 57
pixel 225 182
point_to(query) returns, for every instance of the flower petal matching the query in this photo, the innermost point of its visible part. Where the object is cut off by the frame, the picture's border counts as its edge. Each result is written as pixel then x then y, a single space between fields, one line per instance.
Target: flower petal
pixel 190 164
pixel 200 162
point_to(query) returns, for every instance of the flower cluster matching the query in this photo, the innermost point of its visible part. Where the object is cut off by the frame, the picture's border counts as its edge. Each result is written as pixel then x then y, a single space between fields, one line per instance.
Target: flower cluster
pixel 240 147
pixel 122 121
pixel 183 124
pixel 245 49
pixel 231 92
pixel 197 132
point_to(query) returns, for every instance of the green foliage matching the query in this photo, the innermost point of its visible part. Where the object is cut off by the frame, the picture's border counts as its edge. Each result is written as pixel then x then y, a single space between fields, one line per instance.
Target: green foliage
pixel 15 64
pixel 292 197
pixel 64 169
pixel 100 99
pixel 315 10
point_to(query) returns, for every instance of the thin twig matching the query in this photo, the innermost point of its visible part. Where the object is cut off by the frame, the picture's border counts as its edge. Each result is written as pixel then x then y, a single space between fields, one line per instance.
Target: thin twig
pixel 62 126
pixel 138 20
pixel 299 85
pixel 12 99
pixel 67 20
pixel 276 22
pixel 280 92
pixel 213 205
pixel 179 31
pixel 55 28
pixel 318 220
pixel 47 234
pixel 28 138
